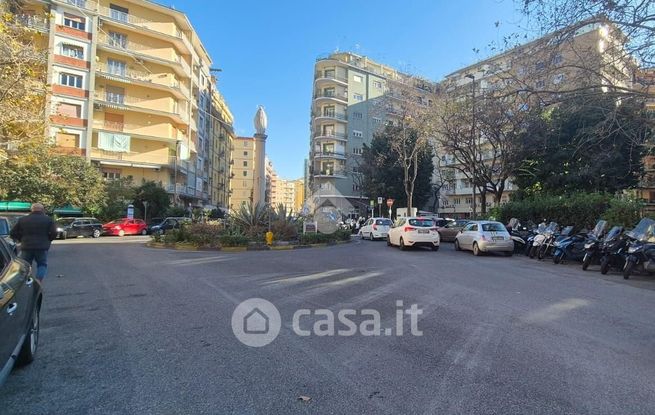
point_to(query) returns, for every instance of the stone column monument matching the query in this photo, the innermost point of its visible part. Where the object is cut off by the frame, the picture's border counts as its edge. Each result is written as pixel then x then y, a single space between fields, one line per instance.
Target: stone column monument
pixel 261 122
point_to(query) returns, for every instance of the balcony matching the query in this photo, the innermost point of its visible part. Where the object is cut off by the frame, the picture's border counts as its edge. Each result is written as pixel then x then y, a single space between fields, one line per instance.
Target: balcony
pixel 160 132
pixel 129 47
pixel 163 81
pixel 330 173
pixel 81 4
pixel 330 154
pixel 320 135
pixel 119 101
pixel 338 96
pixel 331 115
pixel 38 23
pixel 130 159
pixel 182 190
pixel 330 77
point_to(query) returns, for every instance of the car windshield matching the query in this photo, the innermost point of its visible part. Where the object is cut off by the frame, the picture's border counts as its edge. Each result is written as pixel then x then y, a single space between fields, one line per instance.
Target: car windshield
pixel 65 221
pixel 117 222
pixel 422 223
pixel 383 222
pixel 493 227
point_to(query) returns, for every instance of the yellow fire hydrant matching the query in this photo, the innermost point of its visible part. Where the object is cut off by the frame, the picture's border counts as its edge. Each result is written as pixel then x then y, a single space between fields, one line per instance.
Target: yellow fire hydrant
pixel 269 238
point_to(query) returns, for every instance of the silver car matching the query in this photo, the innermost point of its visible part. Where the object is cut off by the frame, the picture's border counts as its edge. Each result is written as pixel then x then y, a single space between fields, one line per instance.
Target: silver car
pixel 484 236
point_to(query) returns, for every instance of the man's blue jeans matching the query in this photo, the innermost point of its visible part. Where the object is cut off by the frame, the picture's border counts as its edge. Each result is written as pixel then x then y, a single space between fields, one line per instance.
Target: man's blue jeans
pixel 41 258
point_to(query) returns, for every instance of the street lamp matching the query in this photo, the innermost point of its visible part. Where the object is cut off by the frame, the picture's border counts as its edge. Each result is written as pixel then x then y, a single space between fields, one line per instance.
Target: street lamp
pixel 472 78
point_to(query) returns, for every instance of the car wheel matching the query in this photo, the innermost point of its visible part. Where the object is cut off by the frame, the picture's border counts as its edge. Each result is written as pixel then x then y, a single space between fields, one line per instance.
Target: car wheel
pixel 389 241
pixel 435 247
pixel 31 343
pixel 604 265
pixel 476 249
pixel 457 247
pixel 63 236
pixel 401 245
pixel 96 233
pixel 586 261
pixel 144 232
pixel 121 233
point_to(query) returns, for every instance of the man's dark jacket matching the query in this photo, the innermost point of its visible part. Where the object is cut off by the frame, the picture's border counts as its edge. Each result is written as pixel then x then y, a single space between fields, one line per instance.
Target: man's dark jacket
pixel 34 231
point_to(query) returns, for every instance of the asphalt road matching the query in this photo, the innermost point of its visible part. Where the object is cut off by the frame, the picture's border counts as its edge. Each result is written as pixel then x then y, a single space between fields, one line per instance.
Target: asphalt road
pixel 129 329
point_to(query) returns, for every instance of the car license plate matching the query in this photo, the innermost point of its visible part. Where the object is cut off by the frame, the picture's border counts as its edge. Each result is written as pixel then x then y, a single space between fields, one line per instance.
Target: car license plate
pixel 423 231
pixel 497 238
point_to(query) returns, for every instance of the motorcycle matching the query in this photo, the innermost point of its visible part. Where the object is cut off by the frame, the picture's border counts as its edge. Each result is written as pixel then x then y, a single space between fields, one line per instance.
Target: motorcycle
pixel 519 234
pixel 539 238
pixel 592 244
pixel 571 246
pixel 641 251
pixel 613 250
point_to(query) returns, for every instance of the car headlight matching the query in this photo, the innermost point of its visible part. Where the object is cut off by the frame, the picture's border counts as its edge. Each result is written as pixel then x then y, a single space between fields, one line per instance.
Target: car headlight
pixel 60 229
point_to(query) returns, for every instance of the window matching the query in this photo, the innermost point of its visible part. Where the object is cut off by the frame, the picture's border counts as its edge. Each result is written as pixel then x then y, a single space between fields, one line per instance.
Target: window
pixel 72 51
pixel 115 95
pixel 358 79
pixel 540 66
pixel 245 163
pixel 557 59
pixel 74 22
pixel 357 115
pixel 118 40
pixel 114 142
pixel 355 188
pixel 116 67
pixel 377 120
pixel 111 175
pixel 68 79
pixel 245 144
pixel 245 174
pixel 377 84
pixel 118 13
pixel 558 79
pixel 245 153
pixel 358 97
pixel 357 150
pixel 358 134
pixel 69 110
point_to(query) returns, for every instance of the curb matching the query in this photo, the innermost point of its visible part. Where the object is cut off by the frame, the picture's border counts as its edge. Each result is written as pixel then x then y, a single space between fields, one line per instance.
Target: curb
pixel 191 248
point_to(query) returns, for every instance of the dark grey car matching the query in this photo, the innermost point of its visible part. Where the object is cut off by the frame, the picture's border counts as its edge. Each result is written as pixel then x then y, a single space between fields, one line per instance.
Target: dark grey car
pixel 451 229
pixel 20 304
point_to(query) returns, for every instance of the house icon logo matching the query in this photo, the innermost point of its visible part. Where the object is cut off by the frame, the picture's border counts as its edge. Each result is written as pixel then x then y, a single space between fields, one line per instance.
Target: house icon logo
pixel 256 322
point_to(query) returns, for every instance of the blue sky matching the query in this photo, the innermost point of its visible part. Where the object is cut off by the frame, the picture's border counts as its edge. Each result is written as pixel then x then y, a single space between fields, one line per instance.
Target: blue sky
pixel 267 50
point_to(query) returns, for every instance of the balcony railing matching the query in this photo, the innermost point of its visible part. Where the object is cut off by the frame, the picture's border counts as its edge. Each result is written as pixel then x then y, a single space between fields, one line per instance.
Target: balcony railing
pixel 183 190
pixel 130 156
pixel 132 101
pixel 131 46
pixel 82 4
pixel 139 129
pixel 330 134
pixel 330 154
pixel 137 75
pixel 340 96
pixel 331 173
pixel 332 114
pixel 34 22
pixel 322 75
pixel 122 17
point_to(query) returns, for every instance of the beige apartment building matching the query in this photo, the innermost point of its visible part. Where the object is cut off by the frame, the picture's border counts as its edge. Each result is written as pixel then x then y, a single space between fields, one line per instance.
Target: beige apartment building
pixel 242 184
pixel 271 182
pixel 291 194
pixel 536 67
pixel 132 92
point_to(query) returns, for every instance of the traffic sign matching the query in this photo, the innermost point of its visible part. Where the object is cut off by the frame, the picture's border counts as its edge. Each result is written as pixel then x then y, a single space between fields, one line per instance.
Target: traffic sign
pixel 372 203
pixel 390 202
pixel 380 200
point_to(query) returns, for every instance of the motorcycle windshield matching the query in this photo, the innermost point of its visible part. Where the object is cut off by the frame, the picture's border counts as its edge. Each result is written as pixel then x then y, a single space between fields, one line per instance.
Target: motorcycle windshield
pixel 552 227
pixel 541 228
pixel 567 231
pixel 614 233
pixel 514 223
pixel 644 231
pixel 600 228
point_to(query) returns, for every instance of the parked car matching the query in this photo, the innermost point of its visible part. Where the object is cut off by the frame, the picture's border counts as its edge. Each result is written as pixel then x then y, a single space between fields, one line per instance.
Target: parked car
pixel 5 227
pixel 168 224
pixel 154 222
pixel 74 227
pixel 448 231
pixel 485 236
pixel 414 231
pixel 20 304
pixel 376 228
pixel 122 227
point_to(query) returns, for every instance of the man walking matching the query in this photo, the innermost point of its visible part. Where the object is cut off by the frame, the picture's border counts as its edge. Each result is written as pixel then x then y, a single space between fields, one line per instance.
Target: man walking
pixel 35 232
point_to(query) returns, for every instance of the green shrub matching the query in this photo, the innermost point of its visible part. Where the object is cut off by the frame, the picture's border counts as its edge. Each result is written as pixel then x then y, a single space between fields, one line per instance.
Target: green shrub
pixel 172 236
pixel 319 238
pixel 284 231
pixel 623 212
pixel 203 234
pixel 233 240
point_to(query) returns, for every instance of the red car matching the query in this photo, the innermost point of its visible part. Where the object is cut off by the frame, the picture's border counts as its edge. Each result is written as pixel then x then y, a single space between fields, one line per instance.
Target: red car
pixel 122 227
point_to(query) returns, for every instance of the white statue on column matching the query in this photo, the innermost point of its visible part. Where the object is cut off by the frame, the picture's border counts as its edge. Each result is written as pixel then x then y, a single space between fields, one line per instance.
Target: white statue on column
pixel 261 123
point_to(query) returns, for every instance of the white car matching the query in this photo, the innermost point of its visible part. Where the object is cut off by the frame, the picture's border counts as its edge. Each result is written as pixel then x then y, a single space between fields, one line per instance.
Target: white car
pixel 485 236
pixel 414 231
pixel 375 228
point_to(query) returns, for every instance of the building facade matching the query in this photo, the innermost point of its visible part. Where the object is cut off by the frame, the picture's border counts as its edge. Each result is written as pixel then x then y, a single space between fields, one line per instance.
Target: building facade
pixel 352 99
pixel 242 184
pixel 131 92
pixel 271 183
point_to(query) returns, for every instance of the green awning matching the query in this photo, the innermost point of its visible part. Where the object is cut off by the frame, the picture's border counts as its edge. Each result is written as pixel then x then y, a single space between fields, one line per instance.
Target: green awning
pixel 14 206
pixel 68 210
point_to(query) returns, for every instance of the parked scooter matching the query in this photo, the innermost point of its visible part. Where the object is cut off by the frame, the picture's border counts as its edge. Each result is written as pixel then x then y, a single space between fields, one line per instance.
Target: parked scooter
pixel 539 238
pixel 570 247
pixel 641 251
pixel 613 250
pixel 518 234
pixel 593 242
pixel 552 235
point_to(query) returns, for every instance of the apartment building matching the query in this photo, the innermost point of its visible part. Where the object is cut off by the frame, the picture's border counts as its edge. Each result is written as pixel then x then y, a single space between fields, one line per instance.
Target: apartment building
pixel 271 182
pixel 131 92
pixel 545 64
pixel 352 99
pixel 242 184
pixel 221 144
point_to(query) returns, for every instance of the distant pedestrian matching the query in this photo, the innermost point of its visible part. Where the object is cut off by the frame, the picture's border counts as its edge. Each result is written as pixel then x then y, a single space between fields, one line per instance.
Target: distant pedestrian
pixel 35 232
